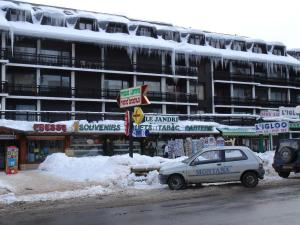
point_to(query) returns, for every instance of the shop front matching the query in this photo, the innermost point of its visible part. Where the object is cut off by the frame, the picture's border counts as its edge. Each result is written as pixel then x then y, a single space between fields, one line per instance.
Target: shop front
pixel 44 139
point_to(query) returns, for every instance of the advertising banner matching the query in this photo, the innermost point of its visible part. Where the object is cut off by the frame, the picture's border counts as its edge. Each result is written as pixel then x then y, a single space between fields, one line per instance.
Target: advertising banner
pixel 272 127
pixel 12 153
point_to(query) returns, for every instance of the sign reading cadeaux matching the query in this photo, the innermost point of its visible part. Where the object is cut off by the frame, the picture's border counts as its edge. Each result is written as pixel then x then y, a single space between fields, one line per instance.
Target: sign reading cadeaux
pixel 133 97
pixel 272 127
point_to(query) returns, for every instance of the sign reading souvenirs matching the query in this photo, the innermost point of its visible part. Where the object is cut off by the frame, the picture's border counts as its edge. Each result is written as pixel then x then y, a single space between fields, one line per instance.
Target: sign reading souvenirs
pixel 133 97
pixel 12 160
pixel 138 115
pixel 272 127
pixel 49 127
pixel 140 133
pixel 99 127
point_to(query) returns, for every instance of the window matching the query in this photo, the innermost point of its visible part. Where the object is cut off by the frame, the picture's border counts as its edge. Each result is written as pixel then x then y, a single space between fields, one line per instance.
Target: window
pixel 153 86
pixel 116 84
pixel 18 15
pixel 208 157
pixel 146 31
pixel 278 95
pixel 55 80
pixel 279 50
pixel 239 68
pixel 86 24
pixel 242 92
pixel 234 155
pixel 25 116
pixel 196 39
pixel 117 28
pixel 238 45
pixel 259 48
pixel 53 20
pixel 216 43
pixel 170 35
pixel 39 150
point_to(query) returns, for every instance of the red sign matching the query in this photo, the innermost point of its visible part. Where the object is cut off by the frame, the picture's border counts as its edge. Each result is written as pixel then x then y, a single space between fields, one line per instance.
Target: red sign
pixel 49 127
pixel 12 160
pixel 127 122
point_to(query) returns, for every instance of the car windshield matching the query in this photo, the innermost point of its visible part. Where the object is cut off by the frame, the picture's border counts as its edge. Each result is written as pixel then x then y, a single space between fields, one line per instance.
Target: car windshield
pixel 189 158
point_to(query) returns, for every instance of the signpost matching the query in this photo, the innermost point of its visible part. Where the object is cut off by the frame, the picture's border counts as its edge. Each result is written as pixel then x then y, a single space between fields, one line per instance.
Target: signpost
pixel 129 98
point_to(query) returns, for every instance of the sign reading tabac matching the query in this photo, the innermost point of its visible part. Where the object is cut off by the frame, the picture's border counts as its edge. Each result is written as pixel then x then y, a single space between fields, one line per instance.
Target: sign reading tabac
pixel 133 97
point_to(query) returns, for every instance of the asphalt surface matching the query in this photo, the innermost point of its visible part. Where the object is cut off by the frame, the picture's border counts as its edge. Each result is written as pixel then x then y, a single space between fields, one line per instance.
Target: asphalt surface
pixel 270 203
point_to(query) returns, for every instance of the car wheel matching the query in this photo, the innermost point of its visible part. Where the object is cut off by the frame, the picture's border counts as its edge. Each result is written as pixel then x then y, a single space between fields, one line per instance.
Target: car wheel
pixel 284 174
pixel 249 179
pixel 286 154
pixel 176 182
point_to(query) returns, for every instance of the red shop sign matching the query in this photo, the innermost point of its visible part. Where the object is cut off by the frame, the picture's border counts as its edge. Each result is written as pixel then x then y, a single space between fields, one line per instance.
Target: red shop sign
pixel 49 127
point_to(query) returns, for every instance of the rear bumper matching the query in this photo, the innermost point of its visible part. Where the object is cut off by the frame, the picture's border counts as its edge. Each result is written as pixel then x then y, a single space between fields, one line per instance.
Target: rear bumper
pixel 286 167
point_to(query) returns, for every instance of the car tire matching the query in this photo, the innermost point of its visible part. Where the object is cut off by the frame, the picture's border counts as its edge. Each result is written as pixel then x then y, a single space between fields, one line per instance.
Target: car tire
pixel 287 155
pixel 176 182
pixel 284 174
pixel 249 179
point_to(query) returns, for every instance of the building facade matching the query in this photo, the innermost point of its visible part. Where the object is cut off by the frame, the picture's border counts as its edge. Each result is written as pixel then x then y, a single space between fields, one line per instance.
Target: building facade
pixel 62 64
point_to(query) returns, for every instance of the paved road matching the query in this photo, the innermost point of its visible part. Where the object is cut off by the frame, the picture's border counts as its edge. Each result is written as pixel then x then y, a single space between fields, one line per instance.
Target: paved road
pixel 227 204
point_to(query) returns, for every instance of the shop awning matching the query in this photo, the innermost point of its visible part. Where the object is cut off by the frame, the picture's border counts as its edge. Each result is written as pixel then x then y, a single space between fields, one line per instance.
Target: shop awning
pixel 238 132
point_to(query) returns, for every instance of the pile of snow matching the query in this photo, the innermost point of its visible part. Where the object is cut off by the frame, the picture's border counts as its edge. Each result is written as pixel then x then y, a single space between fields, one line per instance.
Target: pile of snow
pixel 5 187
pixel 105 170
pixel 267 158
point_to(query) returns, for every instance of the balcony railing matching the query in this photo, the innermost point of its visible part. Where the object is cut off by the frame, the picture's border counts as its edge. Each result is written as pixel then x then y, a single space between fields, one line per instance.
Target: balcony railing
pixel 235 101
pixel 186 71
pixel 49 116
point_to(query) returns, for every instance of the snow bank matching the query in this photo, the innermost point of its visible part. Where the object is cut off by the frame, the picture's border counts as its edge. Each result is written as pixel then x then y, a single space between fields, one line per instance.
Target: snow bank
pixel 108 171
pixel 52 196
pixel 267 158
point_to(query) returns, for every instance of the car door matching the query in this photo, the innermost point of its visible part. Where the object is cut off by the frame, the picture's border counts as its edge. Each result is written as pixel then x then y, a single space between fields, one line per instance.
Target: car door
pixel 206 167
pixel 235 160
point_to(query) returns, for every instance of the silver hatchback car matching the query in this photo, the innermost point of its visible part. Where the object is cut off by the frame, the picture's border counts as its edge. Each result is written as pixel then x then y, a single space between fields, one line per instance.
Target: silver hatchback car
pixel 211 165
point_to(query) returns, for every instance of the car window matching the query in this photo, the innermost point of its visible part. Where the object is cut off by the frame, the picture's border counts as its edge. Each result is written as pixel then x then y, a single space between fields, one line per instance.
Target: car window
pixel 234 155
pixel 208 157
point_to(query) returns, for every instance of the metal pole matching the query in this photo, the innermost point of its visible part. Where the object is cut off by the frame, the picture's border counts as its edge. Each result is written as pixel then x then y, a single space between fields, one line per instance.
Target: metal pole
pixel 271 142
pixel 130 132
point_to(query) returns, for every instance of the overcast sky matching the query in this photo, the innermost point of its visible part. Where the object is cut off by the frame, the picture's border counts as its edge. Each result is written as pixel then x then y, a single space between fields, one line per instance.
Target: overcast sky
pixel 270 20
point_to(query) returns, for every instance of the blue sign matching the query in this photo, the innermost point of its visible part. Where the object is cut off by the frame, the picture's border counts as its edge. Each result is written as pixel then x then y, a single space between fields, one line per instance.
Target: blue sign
pixel 140 133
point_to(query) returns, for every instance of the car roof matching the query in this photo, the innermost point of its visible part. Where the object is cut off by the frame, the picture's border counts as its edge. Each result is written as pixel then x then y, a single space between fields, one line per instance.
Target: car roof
pixel 224 148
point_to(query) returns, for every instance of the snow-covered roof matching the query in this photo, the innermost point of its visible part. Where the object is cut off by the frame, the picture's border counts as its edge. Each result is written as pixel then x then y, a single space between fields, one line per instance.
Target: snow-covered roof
pixel 70 34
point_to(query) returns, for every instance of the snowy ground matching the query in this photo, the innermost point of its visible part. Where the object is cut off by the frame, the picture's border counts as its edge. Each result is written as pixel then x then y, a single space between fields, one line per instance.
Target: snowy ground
pixel 62 177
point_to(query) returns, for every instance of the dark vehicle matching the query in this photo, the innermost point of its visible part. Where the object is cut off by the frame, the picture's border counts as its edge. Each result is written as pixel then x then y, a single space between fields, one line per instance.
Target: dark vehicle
pixel 287 157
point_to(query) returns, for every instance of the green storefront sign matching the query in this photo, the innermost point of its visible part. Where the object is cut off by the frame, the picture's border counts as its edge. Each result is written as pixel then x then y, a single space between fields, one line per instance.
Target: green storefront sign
pixel 90 127
pixel 295 126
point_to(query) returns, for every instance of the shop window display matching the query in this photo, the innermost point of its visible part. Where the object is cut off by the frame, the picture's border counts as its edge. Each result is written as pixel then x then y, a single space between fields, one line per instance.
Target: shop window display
pixel 86 146
pixel 39 150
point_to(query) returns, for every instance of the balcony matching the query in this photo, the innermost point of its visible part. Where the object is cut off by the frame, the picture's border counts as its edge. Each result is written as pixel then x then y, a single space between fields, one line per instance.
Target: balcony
pixel 21 89
pixel 235 101
pixel 186 71
pixel 65 92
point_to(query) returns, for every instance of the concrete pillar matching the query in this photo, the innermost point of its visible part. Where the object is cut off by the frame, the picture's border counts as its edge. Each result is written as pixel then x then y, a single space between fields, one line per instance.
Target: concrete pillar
pixel 3 107
pixel 38 109
pixel 73 54
pixel 212 87
pixel 73 83
pixel 288 95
